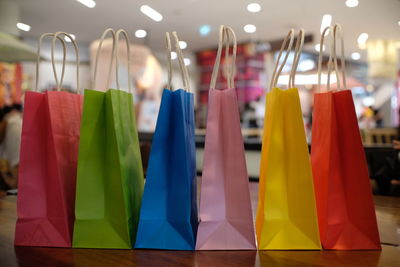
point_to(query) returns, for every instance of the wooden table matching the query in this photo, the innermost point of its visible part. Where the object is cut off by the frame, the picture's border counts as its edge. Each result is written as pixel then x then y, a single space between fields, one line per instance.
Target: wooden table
pixel 387 208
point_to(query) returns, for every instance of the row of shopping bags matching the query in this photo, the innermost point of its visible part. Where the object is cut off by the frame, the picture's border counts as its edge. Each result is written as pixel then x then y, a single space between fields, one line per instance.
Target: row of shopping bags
pixel 301 203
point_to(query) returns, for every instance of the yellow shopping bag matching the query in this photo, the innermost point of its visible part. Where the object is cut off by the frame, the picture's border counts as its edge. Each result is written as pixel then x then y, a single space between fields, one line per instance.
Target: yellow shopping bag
pixel 286 214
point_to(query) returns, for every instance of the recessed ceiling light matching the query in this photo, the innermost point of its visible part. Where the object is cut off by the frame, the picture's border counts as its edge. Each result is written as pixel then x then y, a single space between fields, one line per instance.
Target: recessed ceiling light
pixel 140 33
pixel 250 28
pixel 351 3
pixel 23 27
pixel 326 22
pixel 204 30
pixel 317 47
pixel 355 56
pixel 398 23
pixel 66 38
pixel 182 44
pixel 87 3
pixel 362 40
pixel 187 61
pixel 173 55
pixel 253 7
pixel 151 13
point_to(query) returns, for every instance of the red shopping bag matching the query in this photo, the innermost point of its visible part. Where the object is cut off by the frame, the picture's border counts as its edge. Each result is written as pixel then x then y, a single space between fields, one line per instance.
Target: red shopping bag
pixel 346 213
pixel 48 162
pixel 226 221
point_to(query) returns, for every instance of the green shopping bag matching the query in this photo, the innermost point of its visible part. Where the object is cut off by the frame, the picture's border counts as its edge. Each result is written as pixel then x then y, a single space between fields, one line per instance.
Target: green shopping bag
pixel 110 177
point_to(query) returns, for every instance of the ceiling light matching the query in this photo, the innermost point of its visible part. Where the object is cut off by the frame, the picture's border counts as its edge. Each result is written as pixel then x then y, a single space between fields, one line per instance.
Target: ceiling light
pixel 87 3
pixel 204 30
pixel 187 61
pixel 66 38
pixel 326 22
pixel 362 40
pixel 355 56
pixel 23 27
pixel 140 33
pixel 151 13
pixel 253 7
pixel 173 55
pixel 351 3
pixel 182 44
pixel 317 47
pixel 250 28
pixel 398 23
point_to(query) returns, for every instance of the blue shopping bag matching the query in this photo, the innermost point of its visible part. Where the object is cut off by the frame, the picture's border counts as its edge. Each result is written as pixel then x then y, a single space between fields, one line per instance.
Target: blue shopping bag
pixel 168 216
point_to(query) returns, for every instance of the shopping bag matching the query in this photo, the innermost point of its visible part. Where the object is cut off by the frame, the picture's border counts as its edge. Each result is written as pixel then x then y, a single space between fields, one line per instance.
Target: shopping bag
pixel 168 217
pixel 346 213
pixel 48 162
pixel 110 176
pixel 286 214
pixel 226 220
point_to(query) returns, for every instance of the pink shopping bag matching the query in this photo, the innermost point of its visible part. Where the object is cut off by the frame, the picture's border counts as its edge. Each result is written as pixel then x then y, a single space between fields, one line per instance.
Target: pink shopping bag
pixel 226 221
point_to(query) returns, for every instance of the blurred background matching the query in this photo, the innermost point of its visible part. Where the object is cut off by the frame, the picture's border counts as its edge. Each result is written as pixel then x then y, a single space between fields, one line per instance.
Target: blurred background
pixel 372 45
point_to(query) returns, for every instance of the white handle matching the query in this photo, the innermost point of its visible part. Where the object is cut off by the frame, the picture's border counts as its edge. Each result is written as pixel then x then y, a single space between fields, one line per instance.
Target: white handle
pixel 338 28
pixel 275 74
pixel 125 34
pixel 296 58
pixel 38 59
pixel 225 31
pixel 330 61
pixel 184 71
pixel 109 30
pixel 59 85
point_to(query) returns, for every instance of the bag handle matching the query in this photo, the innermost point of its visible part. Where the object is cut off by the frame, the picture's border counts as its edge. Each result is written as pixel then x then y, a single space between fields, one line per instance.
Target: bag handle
pixel 109 30
pixel 338 29
pixel 184 71
pixel 125 35
pixel 224 32
pixel 59 85
pixel 296 58
pixel 39 58
pixel 276 72
pixel 330 62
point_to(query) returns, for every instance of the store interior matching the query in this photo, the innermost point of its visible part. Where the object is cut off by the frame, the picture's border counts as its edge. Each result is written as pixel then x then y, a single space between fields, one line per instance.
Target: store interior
pixel 371 34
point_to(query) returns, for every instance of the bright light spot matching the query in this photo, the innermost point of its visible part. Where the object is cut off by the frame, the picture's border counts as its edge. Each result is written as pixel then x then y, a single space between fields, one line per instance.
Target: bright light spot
pixel 351 3
pixel 253 7
pixel 362 40
pixel 23 27
pixel 151 13
pixel 173 55
pixel 250 28
pixel 326 22
pixel 368 101
pixel 187 61
pixel 398 23
pixel 204 30
pixel 140 33
pixel 355 56
pixel 87 3
pixel 317 47
pixel 66 38
pixel 306 65
pixel 182 44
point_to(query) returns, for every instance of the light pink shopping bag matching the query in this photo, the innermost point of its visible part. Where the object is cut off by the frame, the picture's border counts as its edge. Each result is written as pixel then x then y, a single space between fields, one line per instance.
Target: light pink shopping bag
pixel 226 221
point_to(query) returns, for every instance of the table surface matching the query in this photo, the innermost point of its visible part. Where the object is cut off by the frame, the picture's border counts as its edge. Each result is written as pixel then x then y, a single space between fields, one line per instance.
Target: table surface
pixel 387 210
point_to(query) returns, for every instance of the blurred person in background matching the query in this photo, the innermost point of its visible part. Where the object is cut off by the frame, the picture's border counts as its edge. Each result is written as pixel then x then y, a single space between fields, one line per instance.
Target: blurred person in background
pixel 10 140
